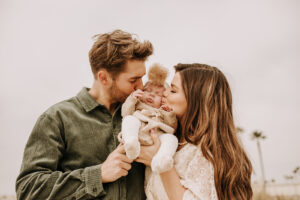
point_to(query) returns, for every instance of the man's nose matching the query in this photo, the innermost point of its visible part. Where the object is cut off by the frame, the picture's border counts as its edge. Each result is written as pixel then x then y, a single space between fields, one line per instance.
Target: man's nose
pixel 139 85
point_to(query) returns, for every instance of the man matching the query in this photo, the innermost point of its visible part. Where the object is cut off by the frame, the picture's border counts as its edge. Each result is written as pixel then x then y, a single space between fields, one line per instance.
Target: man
pixel 73 151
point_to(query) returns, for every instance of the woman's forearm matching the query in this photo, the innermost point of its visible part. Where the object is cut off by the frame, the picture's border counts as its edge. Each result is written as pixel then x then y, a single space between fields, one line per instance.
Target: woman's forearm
pixel 172 185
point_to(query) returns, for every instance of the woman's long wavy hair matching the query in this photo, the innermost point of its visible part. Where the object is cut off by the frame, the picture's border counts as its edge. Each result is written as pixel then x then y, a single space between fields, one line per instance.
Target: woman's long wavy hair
pixel 208 123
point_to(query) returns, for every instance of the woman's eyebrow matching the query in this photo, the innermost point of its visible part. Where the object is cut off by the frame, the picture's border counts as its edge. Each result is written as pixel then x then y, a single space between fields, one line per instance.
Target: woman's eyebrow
pixel 173 85
pixel 135 77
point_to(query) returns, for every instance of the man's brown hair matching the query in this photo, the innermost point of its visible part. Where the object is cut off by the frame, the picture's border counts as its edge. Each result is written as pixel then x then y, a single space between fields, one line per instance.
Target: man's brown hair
pixel 111 51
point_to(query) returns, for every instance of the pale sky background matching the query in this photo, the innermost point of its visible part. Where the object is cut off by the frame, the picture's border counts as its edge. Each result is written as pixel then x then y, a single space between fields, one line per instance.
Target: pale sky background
pixel 44 59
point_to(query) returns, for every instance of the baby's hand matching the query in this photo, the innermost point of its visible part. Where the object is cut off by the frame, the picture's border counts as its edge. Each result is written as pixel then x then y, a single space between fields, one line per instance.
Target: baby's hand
pixel 164 105
pixel 136 94
pixel 166 108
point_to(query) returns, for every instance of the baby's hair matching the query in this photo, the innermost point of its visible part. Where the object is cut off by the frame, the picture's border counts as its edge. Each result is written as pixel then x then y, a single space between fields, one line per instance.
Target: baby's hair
pixel 157 74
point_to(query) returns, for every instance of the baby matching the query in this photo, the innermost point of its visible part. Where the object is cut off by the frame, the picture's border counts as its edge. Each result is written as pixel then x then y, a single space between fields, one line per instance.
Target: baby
pixel 145 110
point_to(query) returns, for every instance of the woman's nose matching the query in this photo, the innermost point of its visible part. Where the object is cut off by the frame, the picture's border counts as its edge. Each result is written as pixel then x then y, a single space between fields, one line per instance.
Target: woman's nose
pixel 165 93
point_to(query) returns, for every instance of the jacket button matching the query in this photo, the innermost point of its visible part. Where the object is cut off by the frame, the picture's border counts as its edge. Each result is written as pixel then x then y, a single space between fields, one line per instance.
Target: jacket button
pixel 94 189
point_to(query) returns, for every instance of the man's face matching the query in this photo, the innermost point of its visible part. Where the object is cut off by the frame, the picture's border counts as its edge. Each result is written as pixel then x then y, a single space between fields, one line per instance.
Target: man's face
pixel 128 81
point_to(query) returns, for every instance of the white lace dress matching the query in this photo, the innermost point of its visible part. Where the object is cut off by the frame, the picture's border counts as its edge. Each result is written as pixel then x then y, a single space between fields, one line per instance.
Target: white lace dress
pixel 195 172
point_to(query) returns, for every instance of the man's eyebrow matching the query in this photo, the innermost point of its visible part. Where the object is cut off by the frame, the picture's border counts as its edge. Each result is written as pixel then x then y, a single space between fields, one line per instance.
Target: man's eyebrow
pixel 136 77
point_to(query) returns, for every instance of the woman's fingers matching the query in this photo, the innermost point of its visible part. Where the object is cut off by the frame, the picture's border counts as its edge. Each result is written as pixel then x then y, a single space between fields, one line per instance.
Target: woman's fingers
pixel 155 138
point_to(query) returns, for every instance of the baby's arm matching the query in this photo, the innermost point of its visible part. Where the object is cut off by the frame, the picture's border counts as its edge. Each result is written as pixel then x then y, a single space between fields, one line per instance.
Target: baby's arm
pixel 130 131
pixel 128 106
pixel 131 125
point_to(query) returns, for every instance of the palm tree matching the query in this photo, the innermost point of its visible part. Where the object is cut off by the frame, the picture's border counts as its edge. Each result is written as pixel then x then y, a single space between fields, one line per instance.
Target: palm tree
pixel 258 135
pixel 295 171
pixel 288 177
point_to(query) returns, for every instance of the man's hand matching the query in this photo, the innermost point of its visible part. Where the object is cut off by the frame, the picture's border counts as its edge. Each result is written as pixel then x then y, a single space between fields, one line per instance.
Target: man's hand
pixel 148 152
pixel 137 93
pixel 116 165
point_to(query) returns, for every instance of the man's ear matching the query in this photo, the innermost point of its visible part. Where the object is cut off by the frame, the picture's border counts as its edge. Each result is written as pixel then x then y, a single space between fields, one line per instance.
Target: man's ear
pixel 103 76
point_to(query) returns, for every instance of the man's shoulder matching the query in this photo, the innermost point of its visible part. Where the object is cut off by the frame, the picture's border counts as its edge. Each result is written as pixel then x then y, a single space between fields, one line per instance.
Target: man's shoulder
pixel 65 106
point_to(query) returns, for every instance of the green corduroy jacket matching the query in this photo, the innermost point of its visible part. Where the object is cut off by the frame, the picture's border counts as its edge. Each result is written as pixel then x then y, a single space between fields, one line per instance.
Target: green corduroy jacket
pixel 64 153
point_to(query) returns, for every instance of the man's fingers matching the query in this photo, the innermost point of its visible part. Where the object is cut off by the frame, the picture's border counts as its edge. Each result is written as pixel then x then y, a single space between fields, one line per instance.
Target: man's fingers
pixel 140 160
pixel 124 158
pixel 144 161
pixel 120 148
pixel 125 166
pixel 122 154
pixel 124 172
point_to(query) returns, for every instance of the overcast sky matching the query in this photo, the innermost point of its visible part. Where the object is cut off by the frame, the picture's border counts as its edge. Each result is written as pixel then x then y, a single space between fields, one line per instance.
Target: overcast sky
pixel 44 59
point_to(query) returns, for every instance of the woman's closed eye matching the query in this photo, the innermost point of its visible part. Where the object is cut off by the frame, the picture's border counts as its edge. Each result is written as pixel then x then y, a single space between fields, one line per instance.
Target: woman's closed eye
pixel 133 81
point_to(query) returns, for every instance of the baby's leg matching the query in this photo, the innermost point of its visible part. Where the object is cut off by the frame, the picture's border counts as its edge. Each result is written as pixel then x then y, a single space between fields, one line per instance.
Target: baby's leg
pixel 130 131
pixel 163 160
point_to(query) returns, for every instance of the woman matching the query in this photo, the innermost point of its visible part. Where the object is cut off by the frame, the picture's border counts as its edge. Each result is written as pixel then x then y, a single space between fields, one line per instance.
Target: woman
pixel 210 162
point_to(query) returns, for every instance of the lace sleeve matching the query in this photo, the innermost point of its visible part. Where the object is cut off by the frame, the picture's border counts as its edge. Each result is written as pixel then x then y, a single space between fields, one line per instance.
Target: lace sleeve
pixel 199 179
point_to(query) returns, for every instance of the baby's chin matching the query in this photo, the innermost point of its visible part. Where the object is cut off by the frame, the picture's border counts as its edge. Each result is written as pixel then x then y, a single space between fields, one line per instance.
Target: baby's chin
pixel 153 105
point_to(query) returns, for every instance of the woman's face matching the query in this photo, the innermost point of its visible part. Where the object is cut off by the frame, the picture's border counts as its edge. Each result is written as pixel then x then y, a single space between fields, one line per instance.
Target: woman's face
pixel 175 97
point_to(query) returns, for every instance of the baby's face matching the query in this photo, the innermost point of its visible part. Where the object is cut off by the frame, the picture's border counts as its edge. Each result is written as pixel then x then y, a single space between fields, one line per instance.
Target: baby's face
pixel 153 95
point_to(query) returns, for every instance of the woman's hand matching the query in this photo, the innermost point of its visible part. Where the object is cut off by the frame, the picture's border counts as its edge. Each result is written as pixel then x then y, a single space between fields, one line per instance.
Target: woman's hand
pixel 148 152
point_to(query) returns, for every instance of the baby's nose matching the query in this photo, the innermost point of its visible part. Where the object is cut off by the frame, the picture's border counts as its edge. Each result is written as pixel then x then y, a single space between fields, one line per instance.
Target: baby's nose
pixel 152 94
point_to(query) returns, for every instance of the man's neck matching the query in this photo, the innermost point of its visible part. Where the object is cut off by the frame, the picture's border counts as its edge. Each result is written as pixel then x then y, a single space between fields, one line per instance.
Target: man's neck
pixel 103 97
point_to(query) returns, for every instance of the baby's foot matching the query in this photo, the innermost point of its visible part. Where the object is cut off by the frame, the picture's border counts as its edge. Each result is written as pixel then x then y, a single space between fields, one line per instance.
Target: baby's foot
pixel 161 164
pixel 132 149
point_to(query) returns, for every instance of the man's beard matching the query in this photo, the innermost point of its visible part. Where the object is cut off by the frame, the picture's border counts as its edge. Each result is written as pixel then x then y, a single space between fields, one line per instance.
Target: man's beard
pixel 116 94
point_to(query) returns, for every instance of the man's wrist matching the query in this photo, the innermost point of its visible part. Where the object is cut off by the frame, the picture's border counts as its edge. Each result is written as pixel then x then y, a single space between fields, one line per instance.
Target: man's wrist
pixel 93 180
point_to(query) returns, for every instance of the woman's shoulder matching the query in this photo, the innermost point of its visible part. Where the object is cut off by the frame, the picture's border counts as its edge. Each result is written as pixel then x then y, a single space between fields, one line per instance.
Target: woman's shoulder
pixel 191 153
pixel 190 148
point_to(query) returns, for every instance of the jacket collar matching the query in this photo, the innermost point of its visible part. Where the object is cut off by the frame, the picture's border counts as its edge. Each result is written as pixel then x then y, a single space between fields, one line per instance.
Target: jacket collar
pixel 86 100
